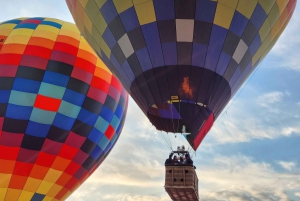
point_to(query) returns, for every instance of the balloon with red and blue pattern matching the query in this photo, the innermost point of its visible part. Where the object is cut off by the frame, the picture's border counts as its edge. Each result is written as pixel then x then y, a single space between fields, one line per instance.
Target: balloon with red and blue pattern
pixel 61 109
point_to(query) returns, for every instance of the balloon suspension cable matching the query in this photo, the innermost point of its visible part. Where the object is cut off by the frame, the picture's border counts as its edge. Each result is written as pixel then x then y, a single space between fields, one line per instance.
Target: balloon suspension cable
pixel 251 76
pixel 178 118
pixel 164 140
pixel 193 153
pixel 168 144
pixel 172 139
pixel 172 117
pixel 169 140
pixel 189 150
pixel 181 138
pixel 77 191
pixel 182 141
pixel 168 137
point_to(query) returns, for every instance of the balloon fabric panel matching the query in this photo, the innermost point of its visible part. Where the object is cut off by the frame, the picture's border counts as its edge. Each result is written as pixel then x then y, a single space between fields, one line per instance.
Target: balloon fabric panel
pixel 182 61
pixel 61 109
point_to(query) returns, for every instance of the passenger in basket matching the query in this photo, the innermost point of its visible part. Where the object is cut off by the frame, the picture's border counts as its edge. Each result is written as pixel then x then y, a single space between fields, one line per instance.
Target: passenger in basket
pixel 188 160
pixel 181 160
pixel 175 160
pixel 169 160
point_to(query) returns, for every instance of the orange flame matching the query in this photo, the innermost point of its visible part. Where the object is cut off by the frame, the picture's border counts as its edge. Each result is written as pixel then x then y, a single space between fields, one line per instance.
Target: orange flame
pixel 186 88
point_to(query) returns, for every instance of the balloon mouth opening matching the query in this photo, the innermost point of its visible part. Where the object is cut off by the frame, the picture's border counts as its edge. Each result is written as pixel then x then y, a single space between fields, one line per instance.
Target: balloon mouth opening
pixel 169 110
pixel 180 116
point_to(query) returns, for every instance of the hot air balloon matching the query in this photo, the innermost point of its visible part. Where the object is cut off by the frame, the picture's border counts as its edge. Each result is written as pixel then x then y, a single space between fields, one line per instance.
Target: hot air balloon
pixel 61 109
pixel 182 60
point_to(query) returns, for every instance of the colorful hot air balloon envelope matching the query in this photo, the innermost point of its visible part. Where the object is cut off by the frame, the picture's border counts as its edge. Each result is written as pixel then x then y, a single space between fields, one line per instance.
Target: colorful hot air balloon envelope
pixel 61 109
pixel 182 60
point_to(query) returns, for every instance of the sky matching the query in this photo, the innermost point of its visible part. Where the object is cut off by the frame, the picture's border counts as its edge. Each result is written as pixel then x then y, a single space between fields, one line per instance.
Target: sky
pixel 251 153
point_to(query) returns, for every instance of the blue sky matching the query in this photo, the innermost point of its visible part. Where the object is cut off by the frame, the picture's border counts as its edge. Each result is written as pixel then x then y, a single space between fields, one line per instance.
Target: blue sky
pixel 252 152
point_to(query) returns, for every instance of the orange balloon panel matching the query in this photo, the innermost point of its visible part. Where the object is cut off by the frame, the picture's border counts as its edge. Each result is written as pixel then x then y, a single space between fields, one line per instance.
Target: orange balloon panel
pixel 61 109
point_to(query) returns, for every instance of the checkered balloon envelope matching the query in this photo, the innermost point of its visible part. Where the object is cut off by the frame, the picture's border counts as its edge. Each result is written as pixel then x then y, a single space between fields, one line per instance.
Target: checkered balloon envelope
pixel 182 60
pixel 61 109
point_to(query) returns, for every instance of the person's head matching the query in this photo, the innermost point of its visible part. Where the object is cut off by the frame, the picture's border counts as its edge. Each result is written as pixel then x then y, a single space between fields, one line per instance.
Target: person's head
pixel 170 156
pixel 181 158
pixel 187 156
pixel 175 158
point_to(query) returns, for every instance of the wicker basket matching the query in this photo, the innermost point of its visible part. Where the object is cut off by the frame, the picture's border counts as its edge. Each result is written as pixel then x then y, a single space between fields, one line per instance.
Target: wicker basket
pixel 181 183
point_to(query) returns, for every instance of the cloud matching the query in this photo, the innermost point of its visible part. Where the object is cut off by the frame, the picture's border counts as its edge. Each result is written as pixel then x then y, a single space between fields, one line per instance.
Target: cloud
pixel 272 102
pixel 236 130
pixel 268 116
pixel 287 165
pixel 134 169
pixel 239 178
pixel 297 194
pixel 35 8
pixel 143 198
pixel 239 195
pixel 286 50
pixel 270 98
pixel 122 197
pixel 287 131
pixel 140 177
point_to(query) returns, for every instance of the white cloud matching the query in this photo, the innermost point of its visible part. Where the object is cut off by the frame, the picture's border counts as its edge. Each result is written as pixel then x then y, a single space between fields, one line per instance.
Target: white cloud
pixel 287 165
pixel 288 93
pixel 35 8
pixel 251 195
pixel 268 99
pixel 297 194
pixel 268 116
pixel 235 130
pixel 121 197
pixel 286 50
pixel 138 174
pixel 287 131
pixel 144 198
pixel 239 178
pixel 134 169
